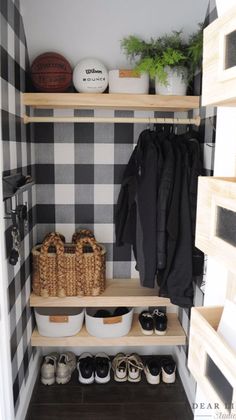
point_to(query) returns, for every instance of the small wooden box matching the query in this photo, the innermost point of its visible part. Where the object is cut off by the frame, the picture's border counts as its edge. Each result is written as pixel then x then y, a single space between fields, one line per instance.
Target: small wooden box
pixel 206 344
pixel 219 61
pixel 216 219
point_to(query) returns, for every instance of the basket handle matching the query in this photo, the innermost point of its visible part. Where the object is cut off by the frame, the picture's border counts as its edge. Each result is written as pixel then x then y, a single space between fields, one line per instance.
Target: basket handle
pixel 81 280
pixel 87 241
pixel 55 234
pixel 83 233
pixel 52 239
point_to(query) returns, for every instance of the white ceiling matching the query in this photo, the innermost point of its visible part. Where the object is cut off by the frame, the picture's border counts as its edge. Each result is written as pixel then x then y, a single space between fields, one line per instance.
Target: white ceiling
pixel 94 28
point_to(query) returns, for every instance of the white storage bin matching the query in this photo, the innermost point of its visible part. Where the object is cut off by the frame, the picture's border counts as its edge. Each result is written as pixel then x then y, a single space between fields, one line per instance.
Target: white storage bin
pixel 110 327
pixel 59 322
pixel 124 81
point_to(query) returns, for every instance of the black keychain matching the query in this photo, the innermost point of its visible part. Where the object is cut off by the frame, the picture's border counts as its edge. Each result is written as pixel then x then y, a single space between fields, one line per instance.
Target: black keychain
pixel 14 254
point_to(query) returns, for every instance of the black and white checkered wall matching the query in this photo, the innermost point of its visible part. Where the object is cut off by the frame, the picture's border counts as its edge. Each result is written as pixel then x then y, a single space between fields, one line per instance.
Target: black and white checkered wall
pixel 78 171
pixel 18 156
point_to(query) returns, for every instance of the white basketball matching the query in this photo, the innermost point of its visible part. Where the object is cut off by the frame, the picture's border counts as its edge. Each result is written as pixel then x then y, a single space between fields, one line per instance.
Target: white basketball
pixel 90 75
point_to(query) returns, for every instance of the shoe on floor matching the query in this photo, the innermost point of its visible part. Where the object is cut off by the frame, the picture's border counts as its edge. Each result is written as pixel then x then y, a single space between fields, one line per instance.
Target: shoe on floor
pixel 102 368
pixel 65 367
pixel 85 368
pixel 146 322
pixel 120 367
pixel 152 370
pixel 160 322
pixel 48 369
pixel 168 369
pixel 135 367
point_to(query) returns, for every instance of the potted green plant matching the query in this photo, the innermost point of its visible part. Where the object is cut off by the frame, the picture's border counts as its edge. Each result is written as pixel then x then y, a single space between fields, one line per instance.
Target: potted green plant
pixel 167 59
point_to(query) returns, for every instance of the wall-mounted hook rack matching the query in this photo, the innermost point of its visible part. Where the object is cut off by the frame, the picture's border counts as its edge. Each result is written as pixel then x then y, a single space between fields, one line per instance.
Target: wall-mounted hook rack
pixel 15 184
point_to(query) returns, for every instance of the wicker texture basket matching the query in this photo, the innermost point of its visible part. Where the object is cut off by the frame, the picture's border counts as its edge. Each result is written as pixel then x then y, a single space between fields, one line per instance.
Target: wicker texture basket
pixel 62 269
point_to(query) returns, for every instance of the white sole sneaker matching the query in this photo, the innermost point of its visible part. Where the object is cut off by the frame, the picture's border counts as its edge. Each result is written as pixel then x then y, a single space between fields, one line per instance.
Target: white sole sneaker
pixel 138 379
pixel 146 332
pixel 168 378
pixel 160 332
pixel 123 379
pixel 86 381
pixel 151 379
pixel 82 379
pixel 99 380
pixel 63 380
pixel 49 381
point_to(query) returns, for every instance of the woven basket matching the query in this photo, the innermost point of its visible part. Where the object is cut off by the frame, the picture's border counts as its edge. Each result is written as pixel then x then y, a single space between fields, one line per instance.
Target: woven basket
pixel 62 269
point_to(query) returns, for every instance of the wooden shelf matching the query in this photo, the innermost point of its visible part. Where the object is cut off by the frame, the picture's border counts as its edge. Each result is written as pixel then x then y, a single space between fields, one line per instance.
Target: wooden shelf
pixel 216 201
pixel 126 292
pixel 175 336
pixel 110 101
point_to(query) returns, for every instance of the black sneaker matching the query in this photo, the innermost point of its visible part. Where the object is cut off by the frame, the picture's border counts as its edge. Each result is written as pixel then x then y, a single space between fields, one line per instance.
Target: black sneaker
pixel 168 369
pixel 160 322
pixel 146 322
pixel 152 370
pixel 102 368
pixel 85 368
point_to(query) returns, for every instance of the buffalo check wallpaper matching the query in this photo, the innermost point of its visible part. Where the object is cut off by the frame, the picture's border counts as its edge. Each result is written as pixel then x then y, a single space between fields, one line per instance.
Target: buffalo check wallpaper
pixel 18 156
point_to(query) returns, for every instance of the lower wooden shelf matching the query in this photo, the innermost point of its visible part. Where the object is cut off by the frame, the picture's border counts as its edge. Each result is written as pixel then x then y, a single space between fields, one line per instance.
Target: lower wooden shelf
pixel 175 335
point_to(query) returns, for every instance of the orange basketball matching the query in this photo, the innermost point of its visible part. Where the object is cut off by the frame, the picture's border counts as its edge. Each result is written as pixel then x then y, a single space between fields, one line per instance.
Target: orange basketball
pixel 51 72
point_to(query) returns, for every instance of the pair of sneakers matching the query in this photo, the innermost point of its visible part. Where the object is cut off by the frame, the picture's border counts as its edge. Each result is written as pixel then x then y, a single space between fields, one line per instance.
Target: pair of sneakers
pixel 155 321
pixel 58 368
pixel 127 367
pixel 94 369
pixel 155 368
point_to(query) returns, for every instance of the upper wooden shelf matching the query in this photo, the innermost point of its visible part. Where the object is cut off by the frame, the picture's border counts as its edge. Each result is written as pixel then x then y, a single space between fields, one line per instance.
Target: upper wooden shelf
pixel 118 292
pixel 111 101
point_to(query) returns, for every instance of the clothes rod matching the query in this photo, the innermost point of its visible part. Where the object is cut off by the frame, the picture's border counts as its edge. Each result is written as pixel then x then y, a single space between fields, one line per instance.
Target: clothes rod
pixel 122 120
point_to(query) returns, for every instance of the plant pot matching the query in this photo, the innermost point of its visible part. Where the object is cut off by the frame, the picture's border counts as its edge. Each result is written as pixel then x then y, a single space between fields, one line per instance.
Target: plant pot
pixel 177 82
pixel 126 81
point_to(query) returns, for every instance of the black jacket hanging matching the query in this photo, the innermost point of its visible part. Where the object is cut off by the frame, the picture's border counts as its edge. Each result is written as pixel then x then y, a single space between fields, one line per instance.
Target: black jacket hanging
pixel 156 212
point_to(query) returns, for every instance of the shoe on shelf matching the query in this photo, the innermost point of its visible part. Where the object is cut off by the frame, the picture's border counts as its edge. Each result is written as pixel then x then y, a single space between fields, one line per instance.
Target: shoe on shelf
pixel 160 322
pixel 121 310
pixel 152 370
pixel 48 369
pixel 135 367
pixel 102 368
pixel 102 313
pixel 120 367
pixel 146 322
pixel 85 368
pixel 168 369
pixel 65 367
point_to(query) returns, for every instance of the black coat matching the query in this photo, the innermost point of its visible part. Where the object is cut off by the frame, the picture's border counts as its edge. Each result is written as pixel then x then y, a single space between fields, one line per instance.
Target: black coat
pixel 156 212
